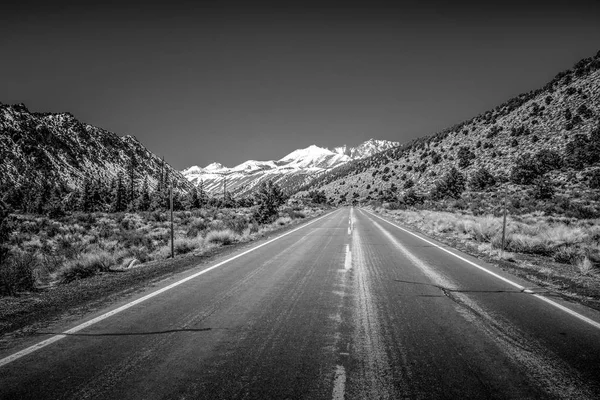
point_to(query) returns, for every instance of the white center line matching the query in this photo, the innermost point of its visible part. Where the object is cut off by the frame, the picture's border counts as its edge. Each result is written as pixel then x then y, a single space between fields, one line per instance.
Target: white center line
pixel 339 383
pixel 348 259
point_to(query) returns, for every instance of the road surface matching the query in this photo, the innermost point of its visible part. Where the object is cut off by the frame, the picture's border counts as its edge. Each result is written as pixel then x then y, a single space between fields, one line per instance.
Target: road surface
pixel 346 307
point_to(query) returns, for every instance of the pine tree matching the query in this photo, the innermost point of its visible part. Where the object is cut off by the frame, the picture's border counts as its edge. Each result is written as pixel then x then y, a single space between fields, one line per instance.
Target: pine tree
pixel 97 199
pixel 193 201
pixel 143 203
pixel 202 196
pixel 268 197
pixel 54 207
pixel 119 195
pixel 5 229
pixel 85 200
pixel 131 171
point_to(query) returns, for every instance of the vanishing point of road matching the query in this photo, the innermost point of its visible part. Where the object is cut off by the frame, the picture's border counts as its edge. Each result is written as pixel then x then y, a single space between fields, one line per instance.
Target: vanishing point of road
pixel 346 306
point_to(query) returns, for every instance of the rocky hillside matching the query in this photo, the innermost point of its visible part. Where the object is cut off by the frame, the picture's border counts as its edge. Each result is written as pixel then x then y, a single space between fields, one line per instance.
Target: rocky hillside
pixel 59 148
pixel 290 172
pixel 558 122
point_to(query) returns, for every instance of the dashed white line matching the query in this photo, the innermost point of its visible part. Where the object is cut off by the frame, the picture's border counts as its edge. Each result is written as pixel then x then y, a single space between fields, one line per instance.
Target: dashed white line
pixel 348 259
pixel 91 322
pixel 514 284
pixel 339 383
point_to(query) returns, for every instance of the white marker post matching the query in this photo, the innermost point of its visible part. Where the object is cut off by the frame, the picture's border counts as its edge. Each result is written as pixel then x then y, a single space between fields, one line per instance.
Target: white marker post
pixel 171 205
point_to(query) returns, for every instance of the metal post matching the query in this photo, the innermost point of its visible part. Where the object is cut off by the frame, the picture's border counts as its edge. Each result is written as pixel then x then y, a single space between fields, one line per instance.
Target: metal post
pixel 503 226
pixel 171 205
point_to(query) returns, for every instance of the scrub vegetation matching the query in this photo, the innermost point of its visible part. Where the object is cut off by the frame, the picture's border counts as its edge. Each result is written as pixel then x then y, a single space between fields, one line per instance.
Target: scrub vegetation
pixel 559 253
pixel 40 251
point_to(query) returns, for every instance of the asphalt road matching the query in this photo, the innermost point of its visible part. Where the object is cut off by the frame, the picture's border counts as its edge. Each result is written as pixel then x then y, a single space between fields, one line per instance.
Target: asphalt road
pixel 349 306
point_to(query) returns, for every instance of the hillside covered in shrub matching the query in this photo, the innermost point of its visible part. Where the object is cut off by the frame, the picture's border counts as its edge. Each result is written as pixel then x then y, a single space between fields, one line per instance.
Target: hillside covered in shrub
pixel 541 149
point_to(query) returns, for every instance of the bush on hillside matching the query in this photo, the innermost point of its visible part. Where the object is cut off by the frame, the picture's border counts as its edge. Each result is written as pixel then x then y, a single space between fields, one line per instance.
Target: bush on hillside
pixel 583 151
pixel 451 185
pixel 465 155
pixel 411 198
pixel 481 179
pixel 543 188
pixel 528 168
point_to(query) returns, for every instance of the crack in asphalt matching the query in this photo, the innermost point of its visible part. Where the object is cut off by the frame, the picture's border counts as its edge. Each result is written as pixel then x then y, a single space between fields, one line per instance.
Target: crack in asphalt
pixel 447 290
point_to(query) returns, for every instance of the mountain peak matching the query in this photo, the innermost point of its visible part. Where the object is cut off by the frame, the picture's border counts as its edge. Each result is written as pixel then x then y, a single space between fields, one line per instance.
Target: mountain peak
pixel 214 166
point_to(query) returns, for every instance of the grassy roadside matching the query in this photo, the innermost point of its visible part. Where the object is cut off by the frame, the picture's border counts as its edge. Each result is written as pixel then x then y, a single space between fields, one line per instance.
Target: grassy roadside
pixel 559 255
pixel 25 314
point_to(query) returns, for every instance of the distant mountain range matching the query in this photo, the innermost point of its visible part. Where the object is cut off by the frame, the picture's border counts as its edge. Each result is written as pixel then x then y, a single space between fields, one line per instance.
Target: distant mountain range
pixel 59 148
pixel 296 169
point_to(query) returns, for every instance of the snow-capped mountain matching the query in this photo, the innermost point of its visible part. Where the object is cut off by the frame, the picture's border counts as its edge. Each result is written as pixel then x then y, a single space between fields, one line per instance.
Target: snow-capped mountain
pixel 313 157
pixel 295 169
pixel 59 148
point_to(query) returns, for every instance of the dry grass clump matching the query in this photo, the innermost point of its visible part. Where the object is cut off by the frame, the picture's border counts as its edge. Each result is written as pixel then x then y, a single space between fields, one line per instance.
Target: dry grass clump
pixel 222 236
pixel 45 251
pixel 86 265
pixel 281 221
pixel 585 266
pixel 185 245
pixel 18 273
pixel 566 240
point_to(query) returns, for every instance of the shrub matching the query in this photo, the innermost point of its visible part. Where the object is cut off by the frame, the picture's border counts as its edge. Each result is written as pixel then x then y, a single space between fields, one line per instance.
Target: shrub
pixel 224 236
pixel 482 179
pixel 5 231
pixel 411 198
pixel 86 266
pixel 281 221
pixel 548 160
pixel 583 151
pixel 236 224
pixel 585 266
pixel 185 245
pixel 543 188
pixel 594 178
pixel 451 185
pixel 465 155
pixel 525 171
pixel 566 255
pixel 17 273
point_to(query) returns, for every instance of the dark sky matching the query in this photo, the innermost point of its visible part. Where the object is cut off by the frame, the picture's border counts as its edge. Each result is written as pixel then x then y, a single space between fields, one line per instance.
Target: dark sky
pixel 229 82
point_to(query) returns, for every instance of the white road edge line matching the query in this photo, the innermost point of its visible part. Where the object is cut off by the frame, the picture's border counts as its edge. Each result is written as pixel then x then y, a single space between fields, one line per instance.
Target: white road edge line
pixel 545 299
pixel 124 307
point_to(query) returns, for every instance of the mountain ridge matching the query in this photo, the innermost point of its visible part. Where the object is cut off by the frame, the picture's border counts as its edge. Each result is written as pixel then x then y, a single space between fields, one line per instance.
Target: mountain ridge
pixel 299 166
pixel 67 151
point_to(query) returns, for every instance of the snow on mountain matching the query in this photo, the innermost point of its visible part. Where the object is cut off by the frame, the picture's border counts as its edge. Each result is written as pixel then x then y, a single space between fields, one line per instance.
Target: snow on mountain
pixel 295 169
pixel 344 150
pixel 253 166
pixel 215 167
pixel 314 157
pixel 370 147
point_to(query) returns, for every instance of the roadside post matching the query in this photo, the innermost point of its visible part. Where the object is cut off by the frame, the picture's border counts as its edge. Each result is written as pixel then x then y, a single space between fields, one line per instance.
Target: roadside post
pixel 503 226
pixel 171 206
